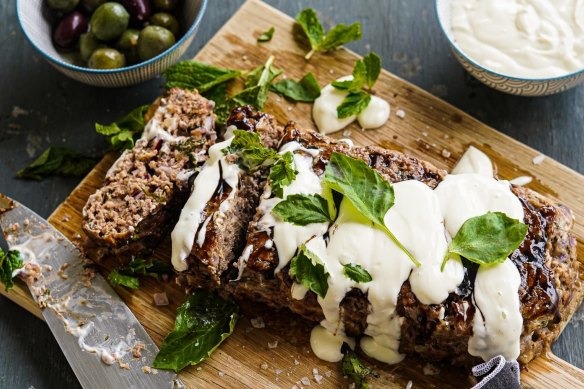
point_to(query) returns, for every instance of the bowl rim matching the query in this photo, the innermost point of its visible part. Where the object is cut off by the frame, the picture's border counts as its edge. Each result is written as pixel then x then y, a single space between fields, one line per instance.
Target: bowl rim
pixel 483 67
pixel 67 65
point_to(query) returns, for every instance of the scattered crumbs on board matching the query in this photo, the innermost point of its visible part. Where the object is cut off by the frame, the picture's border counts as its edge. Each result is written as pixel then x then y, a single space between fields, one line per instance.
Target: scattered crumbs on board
pixel 400 113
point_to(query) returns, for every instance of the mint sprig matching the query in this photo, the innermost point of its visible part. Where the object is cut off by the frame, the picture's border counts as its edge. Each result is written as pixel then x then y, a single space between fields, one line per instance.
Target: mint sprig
pixel 302 209
pixel 365 75
pixel 321 41
pixel 305 90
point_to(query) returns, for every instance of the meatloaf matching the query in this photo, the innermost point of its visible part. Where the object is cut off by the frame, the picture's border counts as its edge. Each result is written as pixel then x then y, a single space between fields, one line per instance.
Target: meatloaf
pixel 546 261
pixel 226 217
pixel 147 186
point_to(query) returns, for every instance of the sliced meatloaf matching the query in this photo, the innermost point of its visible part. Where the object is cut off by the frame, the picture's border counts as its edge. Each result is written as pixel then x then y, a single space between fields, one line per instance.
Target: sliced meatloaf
pixel 147 186
pixel 550 285
pixel 221 233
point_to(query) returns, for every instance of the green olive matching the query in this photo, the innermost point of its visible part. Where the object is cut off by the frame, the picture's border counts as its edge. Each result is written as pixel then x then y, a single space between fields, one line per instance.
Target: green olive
pixel 109 21
pixel 165 5
pixel 62 5
pixel 91 5
pixel 167 21
pixel 106 58
pixel 127 44
pixel 88 43
pixel 153 41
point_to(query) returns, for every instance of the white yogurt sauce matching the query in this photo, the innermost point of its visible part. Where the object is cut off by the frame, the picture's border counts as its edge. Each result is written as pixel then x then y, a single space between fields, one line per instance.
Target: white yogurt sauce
pixel 327 346
pixel 521 38
pixel 215 169
pixel 497 322
pixel 286 236
pixel 324 111
pixel 474 161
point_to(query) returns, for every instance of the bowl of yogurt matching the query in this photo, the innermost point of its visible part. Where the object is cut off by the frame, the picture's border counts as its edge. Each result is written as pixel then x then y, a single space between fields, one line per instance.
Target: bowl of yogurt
pixel 522 47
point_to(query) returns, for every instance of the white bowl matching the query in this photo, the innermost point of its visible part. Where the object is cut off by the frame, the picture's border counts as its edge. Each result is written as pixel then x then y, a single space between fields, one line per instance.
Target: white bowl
pixel 508 84
pixel 37 29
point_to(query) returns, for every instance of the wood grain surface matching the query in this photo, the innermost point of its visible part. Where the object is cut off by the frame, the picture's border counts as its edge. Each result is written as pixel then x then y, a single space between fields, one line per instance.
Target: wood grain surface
pixel 431 129
pixel 406 36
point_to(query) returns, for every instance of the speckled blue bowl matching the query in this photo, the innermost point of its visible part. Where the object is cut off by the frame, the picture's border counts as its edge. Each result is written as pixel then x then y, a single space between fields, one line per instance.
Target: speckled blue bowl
pixel 37 29
pixel 508 84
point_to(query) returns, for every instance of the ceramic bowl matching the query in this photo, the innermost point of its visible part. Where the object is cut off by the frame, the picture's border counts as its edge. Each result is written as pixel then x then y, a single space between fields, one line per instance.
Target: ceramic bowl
pixel 33 16
pixel 501 82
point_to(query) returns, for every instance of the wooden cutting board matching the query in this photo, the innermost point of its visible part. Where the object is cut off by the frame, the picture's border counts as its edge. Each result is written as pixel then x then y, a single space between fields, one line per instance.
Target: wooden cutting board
pixel 431 129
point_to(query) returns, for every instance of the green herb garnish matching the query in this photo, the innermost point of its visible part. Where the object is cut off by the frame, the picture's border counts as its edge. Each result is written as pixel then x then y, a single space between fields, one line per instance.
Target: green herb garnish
pixel 9 262
pixel 319 41
pixel 301 209
pixel 487 239
pixel 203 322
pixel 309 271
pixel 282 173
pixel 128 275
pixel 197 75
pixel 364 187
pixel 354 368
pixel 365 74
pixel 59 161
pixel 123 133
pixel 252 153
pixel 356 273
pixel 255 92
pixel 306 90
pixel 266 36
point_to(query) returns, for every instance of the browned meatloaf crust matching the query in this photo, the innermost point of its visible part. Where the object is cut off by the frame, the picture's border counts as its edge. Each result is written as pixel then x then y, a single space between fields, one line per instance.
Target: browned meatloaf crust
pixel 147 186
pixel 225 232
pixel 546 261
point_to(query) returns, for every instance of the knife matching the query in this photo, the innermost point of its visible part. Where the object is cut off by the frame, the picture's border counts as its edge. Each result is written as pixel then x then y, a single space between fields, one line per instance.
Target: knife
pixel 101 338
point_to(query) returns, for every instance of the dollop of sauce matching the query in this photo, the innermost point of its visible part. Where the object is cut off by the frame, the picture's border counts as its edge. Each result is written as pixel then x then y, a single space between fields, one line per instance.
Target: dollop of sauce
pixel 327 346
pixel 205 185
pixel 521 38
pixel 474 161
pixel 324 111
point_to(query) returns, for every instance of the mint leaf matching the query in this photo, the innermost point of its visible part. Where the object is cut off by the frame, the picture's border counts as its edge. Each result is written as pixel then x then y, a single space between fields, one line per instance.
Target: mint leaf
pixel 356 273
pixel 365 72
pixel 487 239
pixel 302 209
pixel 353 104
pixel 123 132
pixel 354 368
pixel 203 322
pixel 308 20
pixel 9 262
pixel 255 92
pixel 266 36
pixel 197 75
pixel 337 36
pixel 282 173
pixel 59 161
pixel 306 90
pixel 116 278
pixel 309 271
pixel 373 68
pixel 128 275
pixel 364 187
pixel 250 150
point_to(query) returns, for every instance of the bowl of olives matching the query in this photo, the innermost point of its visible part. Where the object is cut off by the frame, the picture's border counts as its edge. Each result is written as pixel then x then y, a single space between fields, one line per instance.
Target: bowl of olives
pixel 111 43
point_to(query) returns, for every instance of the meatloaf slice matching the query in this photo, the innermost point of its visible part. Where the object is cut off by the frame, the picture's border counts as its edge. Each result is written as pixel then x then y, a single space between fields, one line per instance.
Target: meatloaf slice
pixel 147 186
pixel 221 235
pixel 550 285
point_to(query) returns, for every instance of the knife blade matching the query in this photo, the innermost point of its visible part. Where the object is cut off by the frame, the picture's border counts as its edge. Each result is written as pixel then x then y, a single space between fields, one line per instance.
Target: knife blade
pixel 101 338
